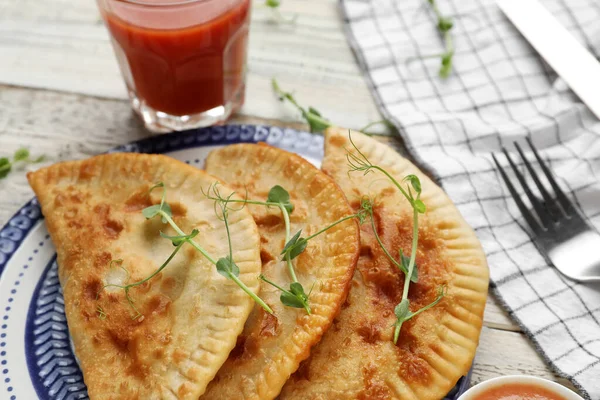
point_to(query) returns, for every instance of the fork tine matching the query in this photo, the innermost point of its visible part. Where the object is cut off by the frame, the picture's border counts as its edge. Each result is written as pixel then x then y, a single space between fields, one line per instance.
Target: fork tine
pixel 551 205
pixel 564 201
pixel 526 213
pixel 535 202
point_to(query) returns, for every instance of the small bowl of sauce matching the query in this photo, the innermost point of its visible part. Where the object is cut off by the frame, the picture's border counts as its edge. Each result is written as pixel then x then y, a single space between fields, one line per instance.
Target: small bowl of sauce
pixel 519 387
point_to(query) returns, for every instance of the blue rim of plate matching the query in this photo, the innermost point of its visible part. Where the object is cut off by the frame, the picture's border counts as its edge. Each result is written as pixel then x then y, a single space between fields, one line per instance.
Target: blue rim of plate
pixel 50 359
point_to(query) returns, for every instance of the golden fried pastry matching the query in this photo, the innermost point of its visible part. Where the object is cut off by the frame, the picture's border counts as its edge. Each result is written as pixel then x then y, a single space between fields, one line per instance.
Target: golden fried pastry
pixel 357 359
pixel 189 315
pixel 272 346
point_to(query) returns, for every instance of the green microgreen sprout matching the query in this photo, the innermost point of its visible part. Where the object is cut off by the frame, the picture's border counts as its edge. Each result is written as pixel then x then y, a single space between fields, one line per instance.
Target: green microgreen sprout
pixel 101 314
pixel 444 25
pixel 403 313
pixel 297 244
pixel 358 162
pixel 129 286
pixel 295 297
pixel 313 117
pixel 225 266
pixel 273 6
pixel 294 246
pixel 20 156
pixel 279 197
pixel 163 208
pixel 316 121
pixel 403 262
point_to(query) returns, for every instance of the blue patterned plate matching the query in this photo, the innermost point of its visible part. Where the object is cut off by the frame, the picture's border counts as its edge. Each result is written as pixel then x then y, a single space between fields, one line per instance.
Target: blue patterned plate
pixel 36 358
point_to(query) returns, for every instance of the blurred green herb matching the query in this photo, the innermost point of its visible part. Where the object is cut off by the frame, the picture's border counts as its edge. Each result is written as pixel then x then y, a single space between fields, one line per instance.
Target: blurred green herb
pixel 274 5
pixel 21 156
pixel 314 118
pixel 444 25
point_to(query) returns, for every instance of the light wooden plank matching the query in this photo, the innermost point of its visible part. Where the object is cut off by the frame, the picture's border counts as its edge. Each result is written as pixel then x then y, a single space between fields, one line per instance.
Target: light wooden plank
pixel 495 316
pixel 509 353
pixel 63 45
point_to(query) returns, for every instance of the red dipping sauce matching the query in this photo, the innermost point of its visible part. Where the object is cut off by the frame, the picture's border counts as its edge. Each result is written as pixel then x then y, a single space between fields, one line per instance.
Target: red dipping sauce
pixel 181 57
pixel 518 391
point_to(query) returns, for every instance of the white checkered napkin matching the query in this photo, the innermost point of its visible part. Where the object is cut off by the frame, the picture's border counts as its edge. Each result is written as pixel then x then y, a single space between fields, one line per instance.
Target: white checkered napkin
pixel 499 91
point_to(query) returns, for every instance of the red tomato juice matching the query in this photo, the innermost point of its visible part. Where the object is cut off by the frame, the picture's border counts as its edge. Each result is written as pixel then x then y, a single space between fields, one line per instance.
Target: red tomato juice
pixel 183 71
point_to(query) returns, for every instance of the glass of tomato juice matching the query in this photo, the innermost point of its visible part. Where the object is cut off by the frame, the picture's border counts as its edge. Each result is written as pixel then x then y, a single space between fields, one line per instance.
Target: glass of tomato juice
pixel 183 61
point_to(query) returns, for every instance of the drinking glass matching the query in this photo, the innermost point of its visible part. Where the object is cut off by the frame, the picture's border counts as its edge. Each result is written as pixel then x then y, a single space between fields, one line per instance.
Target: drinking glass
pixel 183 61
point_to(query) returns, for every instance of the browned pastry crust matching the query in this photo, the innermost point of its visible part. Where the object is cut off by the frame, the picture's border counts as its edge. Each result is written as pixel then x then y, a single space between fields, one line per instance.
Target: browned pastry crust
pixel 191 314
pixel 271 347
pixel 357 359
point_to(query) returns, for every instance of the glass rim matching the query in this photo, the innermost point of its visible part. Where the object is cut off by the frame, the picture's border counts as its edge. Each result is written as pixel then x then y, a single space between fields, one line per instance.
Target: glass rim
pixel 163 3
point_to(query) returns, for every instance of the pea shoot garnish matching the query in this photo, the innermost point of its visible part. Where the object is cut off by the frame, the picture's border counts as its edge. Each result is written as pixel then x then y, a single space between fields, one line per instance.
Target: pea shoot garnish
pixel 296 296
pixel 292 249
pixel 359 162
pixel 403 262
pixel 277 197
pixel 21 156
pixel 225 266
pixel 297 244
pixel 315 120
pixel 280 198
pixel 130 286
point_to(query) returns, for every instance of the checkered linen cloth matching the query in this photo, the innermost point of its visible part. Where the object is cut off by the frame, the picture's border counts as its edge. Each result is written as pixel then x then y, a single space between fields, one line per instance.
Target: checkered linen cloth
pixel 500 91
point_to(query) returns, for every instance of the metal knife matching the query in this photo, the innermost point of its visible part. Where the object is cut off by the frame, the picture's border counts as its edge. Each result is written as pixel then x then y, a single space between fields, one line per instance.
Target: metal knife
pixel 571 61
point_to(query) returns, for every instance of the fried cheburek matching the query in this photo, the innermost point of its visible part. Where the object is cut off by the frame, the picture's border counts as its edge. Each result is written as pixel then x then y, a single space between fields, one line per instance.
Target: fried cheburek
pixel 272 346
pixel 190 314
pixel 357 359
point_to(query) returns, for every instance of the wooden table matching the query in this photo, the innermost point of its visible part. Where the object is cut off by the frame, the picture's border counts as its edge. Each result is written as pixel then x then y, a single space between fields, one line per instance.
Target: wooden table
pixel 61 95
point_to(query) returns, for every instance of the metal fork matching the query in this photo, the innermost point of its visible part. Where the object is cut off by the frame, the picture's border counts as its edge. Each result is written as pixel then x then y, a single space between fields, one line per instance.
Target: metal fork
pixel 560 232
